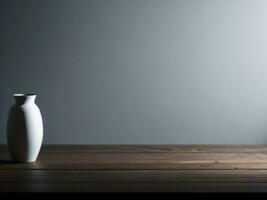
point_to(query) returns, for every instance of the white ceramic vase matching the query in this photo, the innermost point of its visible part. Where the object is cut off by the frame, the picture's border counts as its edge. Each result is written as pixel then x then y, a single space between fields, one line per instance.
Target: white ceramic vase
pixel 24 129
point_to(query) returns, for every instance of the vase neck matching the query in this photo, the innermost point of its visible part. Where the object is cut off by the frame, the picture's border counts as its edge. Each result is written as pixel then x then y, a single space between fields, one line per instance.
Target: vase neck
pixel 24 98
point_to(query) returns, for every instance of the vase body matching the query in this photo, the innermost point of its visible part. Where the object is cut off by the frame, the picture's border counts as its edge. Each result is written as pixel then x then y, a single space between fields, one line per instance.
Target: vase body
pixel 24 129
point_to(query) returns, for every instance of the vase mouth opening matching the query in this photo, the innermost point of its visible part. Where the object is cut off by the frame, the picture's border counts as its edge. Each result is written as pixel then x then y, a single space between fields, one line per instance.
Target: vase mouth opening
pixel 24 95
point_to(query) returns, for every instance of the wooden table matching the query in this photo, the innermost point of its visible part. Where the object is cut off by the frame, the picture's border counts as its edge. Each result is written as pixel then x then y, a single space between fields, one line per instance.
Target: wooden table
pixel 138 168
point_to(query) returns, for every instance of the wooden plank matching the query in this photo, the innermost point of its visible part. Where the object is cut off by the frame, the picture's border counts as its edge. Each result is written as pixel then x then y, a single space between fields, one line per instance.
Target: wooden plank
pixel 157 148
pixel 158 157
pixel 135 176
pixel 151 158
pixel 133 187
pixel 151 148
pixel 81 165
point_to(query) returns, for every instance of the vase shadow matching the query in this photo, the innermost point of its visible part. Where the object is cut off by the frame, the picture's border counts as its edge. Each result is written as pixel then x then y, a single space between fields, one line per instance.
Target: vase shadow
pixel 6 162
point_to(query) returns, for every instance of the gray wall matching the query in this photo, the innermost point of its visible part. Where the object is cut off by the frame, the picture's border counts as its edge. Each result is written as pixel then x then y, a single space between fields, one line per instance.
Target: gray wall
pixel 138 71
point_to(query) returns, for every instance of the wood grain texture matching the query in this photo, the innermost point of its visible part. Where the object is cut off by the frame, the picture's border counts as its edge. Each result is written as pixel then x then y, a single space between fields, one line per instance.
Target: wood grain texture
pixel 138 168
pixel 133 187
pixel 152 148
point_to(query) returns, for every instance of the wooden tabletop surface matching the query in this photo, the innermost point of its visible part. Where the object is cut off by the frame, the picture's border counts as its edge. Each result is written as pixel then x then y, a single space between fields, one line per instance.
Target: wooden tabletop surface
pixel 138 168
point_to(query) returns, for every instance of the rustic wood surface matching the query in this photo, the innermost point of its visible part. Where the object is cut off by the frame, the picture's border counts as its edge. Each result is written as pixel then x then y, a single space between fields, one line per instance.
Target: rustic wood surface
pixel 138 168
